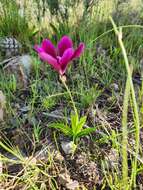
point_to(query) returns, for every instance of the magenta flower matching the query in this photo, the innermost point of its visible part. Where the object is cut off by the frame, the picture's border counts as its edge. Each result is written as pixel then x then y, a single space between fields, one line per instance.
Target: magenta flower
pixel 61 56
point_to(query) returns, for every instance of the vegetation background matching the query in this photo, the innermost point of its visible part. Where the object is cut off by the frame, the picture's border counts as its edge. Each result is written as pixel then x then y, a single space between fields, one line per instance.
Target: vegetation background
pixel 105 84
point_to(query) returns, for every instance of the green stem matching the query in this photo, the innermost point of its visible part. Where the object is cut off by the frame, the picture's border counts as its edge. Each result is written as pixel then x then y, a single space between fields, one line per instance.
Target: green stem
pixel 69 92
pixel 125 135
pixel 135 106
pixel 111 30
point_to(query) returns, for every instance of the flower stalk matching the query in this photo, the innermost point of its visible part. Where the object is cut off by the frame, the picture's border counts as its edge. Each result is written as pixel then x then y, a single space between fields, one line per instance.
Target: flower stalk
pixel 63 80
pixel 135 106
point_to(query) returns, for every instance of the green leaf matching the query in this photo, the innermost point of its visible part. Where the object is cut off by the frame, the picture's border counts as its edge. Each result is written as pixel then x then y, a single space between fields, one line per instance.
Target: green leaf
pixel 62 127
pixel 74 122
pixel 80 125
pixel 85 132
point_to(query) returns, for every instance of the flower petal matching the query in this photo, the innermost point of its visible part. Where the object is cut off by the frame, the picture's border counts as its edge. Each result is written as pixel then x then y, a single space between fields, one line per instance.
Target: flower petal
pixel 51 60
pixel 38 49
pixel 64 44
pixel 66 58
pixel 49 47
pixel 79 50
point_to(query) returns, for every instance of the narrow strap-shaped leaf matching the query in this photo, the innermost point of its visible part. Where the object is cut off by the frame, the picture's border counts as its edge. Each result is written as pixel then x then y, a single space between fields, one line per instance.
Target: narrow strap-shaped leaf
pixel 74 122
pixel 85 132
pixel 80 125
pixel 62 127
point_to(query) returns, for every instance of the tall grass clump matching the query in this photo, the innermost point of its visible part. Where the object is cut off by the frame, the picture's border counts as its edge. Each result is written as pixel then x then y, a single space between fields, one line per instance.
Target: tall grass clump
pixel 119 34
pixel 13 22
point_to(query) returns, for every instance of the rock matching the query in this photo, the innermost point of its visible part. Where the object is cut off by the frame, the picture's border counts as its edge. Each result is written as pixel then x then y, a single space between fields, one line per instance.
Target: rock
pixel 20 67
pixel 9 46
pixel 68 147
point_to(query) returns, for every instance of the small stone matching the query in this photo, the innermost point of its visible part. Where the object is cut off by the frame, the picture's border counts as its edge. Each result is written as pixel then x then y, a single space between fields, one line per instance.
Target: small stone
pixel 68 147
pixel 115 87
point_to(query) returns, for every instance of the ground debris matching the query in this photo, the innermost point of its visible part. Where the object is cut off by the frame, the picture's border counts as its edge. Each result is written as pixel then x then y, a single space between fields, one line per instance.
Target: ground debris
pixel 66 181
pixel 112 159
